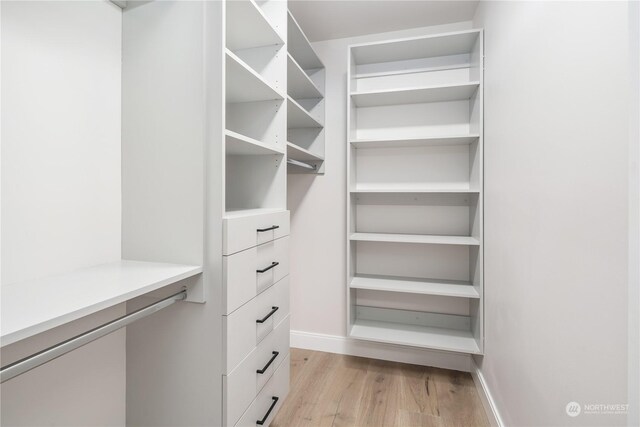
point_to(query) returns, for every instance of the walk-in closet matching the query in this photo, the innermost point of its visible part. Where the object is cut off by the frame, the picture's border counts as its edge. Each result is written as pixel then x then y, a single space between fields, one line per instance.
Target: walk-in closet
pixel 357 213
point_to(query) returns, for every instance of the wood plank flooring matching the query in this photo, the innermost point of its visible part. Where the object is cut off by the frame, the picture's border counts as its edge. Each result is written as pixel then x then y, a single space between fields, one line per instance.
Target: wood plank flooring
pixel 334 390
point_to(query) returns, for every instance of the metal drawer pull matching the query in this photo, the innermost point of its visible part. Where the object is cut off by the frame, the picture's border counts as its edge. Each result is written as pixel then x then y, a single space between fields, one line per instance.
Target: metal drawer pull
pixel 273 405
pixel 262 230
pixel 264 270
pixel 264 319
pixel 263 370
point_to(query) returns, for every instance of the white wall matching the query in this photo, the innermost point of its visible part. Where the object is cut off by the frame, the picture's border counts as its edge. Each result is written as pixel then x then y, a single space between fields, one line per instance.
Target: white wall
pixel 61 194
pixel 634 215
pixel 318 227
pixel 556 179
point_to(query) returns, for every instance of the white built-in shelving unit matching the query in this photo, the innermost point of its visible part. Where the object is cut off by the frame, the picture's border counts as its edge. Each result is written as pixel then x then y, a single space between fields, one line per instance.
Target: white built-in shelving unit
pixel 415 191
pixel 305 103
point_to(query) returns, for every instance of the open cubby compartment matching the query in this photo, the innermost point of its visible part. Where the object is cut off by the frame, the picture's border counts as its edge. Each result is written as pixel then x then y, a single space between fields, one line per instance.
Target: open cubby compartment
pixel 440 60
pixel 300 47
pixel 255 23
pixel 405 120
pixel 310 139
pixel 438 331
pixel 444 214
pixel 415 169
pixel 255 182
pixel 264 121
pixel 269 62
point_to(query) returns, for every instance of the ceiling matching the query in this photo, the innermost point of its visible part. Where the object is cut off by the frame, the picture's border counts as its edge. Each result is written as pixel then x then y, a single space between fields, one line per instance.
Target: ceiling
pixel 333 19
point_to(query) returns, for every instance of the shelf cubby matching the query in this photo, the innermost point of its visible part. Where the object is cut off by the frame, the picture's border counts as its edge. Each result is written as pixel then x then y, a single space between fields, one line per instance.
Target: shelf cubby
pixel 415 95
pixel 299 117
pixel 299 84
pixel 243 84
pixel 415 182
pixel 437 214
pixel 249 26
pixel 416 329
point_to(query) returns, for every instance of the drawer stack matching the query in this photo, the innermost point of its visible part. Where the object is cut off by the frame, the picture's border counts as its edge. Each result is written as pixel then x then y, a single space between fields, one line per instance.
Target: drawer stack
pixel 256 316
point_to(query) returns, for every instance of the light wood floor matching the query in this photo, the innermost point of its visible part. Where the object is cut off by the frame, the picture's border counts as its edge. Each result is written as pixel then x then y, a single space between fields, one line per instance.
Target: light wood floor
pixel 335 390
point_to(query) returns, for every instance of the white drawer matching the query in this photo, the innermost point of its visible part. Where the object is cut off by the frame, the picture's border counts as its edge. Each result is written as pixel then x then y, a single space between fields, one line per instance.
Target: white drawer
pixel 241 232
pixel 243 384
pixel 251 323
pixel 268 402
pixel 242 277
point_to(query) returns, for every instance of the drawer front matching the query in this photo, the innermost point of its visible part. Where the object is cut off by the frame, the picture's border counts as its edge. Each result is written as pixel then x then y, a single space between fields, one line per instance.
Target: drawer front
pixel 265 406
pixel 246 232
pixel 242 281
pixel 246 327
pixel 243 384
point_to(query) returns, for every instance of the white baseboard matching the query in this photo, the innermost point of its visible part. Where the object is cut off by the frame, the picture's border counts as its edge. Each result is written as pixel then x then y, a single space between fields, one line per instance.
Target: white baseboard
pixel 485 396
pixel 373 350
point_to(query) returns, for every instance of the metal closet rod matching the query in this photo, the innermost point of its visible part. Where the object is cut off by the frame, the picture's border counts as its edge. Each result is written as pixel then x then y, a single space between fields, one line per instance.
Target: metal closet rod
pixel 40 358
pixel 301 164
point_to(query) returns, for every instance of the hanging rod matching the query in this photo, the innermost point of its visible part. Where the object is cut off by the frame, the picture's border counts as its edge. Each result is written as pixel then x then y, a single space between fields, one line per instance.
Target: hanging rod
pixel 301 164
pixel 40 358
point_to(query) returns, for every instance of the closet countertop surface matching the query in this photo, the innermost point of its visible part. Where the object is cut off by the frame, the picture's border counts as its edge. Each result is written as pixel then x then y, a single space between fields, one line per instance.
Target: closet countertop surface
pixel 35 306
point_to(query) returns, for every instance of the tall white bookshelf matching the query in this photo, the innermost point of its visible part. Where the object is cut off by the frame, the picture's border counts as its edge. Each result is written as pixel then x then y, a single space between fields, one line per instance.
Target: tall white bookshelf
pixel 415 192
pixel 305 103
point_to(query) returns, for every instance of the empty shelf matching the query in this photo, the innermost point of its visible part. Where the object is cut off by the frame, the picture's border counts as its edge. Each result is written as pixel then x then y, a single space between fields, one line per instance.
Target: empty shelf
pixel 244 84
pixel 300 47
pixel 416 336
pixel 415 142
pixel 248 26
pixel 412 188
pixel 32 307
pixel 415 238
pixel 299 85
pixel 298 117
pixel 416 48
pixel 237 144
pixel 241 213
pixel 416 95
pixel 296 152
pixel 450 288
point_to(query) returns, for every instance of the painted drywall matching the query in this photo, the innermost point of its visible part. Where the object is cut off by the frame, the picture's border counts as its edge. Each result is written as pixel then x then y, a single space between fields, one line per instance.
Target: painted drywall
pixel 61 194
pixel 556 180
pixel 318 227
pixel 634 215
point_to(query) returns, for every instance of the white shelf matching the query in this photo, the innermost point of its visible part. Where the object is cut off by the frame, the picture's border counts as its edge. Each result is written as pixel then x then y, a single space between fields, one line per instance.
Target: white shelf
pixel 415 142
pixel 299 85
pixel 456 43
pixel 32 307
pixel 413 188
pixel 450 288
pixel 243 213
pixel 237 144
pixel 300 46
pixel 415 238
pixel 298 117
pixel 248 26
pixel 244 84
pixel 416 95
pixel 296 152
pixel 415 336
